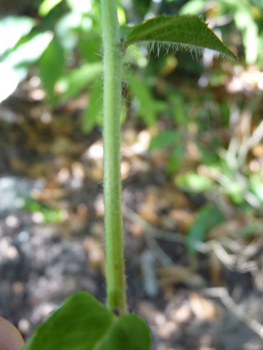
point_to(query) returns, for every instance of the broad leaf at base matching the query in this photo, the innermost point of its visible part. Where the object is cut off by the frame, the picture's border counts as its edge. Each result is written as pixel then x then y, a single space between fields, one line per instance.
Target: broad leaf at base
pixel 189 32
pixel 82 323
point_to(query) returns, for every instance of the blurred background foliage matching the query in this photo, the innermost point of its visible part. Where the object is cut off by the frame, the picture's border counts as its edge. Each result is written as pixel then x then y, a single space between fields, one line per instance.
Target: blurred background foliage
pixel 204 116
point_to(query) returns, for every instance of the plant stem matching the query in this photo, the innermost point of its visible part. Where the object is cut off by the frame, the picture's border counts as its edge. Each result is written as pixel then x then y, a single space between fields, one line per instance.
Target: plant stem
pixel 115 276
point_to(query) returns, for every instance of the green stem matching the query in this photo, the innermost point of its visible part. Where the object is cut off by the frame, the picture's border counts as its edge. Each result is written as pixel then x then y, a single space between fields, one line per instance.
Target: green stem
pixel 115 277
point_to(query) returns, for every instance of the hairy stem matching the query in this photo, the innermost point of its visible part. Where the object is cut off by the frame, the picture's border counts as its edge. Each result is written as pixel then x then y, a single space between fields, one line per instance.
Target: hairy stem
pixel 115 277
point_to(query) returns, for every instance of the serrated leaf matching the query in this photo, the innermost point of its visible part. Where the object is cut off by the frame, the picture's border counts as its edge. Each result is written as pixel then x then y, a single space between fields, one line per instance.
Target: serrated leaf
pixel 51 67
pixel 183 31
pixel 208 217
pixel 82 323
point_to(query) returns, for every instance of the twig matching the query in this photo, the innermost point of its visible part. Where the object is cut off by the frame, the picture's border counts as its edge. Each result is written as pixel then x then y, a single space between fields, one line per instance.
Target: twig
pixel 162 234
pixel 238 261
pixel 148 271
pixel 227 259
pixel 238 149
pixel 229 303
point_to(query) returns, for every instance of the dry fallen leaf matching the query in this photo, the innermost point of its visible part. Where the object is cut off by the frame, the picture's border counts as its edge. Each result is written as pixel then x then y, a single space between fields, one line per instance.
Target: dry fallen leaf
pixel 40 170
pixel 78 220
pixel 215 269
pixel 164 326
pixel 63 145
pixel 176 274
pixel 136 230
pixel 17 164
pixel 230 228
pixel 183 219
pixel 257 150
pixel 147 212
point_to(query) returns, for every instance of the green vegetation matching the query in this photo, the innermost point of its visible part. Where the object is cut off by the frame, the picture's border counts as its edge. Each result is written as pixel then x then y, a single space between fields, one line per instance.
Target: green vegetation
pixel 67 27
pixel 83 323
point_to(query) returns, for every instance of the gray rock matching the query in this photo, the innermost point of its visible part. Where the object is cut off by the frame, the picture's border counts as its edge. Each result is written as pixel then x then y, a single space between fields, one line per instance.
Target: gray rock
pixel 13 193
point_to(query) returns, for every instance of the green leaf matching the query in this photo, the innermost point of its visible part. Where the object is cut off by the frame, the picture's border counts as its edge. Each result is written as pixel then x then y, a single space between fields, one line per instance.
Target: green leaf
pixel 129 330
pixel 51 67
pixel 208 217
pixel 245 22
pixel 12 77
pixel 193 7
pixel 49 214
pixel 180 114
pixel 14 67
pixel 30 51
pixel 94 108
pixel 256 185
pixel 193 182
pixel 253 228
pixel 235 192
pixel 81 7
pixel 121 15
pixel 82 323
pixel 175 159
pixel 90 47
pixel 47 6
pixel 141 7
pixel 124 30
pixel 209 153
pixel 180 31
pixel 145 102
pixel 72 83
pixel 12 29
pixel 165 139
